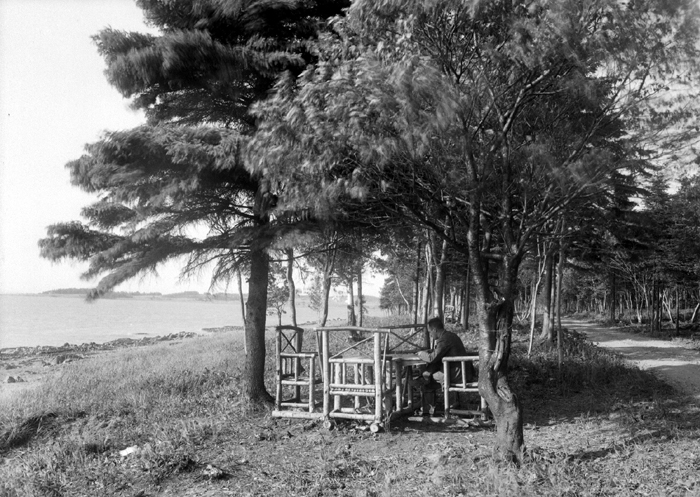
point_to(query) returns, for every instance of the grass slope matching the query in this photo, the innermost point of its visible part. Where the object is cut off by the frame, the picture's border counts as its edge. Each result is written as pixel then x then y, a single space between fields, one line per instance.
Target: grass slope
pixel 598 428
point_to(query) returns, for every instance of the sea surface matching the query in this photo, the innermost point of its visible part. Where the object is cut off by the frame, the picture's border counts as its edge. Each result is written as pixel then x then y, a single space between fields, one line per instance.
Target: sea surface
pixel 31 320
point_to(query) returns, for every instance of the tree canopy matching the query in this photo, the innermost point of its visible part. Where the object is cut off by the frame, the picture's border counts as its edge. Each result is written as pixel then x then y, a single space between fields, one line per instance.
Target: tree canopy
pixel 484 122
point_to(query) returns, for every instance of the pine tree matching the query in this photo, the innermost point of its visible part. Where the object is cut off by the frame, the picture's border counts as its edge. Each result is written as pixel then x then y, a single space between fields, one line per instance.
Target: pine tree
pixel 158 184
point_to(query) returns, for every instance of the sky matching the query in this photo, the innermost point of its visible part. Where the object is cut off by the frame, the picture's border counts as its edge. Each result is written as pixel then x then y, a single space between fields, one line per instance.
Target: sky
pixel 54 99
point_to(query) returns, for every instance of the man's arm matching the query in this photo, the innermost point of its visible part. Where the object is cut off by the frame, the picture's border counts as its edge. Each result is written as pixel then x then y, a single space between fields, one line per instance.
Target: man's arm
pixel 435 355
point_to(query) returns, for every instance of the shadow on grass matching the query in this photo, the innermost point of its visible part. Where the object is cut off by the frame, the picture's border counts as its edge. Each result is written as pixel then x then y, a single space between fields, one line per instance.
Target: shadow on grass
pixel 23 433
pixel 596 387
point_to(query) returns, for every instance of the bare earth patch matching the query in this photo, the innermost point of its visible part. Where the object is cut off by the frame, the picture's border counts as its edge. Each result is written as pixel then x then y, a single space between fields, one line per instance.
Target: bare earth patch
pixel 677 365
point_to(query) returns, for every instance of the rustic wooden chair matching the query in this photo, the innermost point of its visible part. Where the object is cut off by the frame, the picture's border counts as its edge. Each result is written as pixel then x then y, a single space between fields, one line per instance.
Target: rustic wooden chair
pixel 449 387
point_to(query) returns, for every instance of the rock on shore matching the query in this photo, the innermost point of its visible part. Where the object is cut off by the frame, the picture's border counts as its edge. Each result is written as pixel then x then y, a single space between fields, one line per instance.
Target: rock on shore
pixel 68 352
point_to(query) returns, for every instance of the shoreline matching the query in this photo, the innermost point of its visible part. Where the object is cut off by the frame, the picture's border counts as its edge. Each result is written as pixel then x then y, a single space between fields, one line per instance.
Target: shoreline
pixel 36 350
pixel 23 367
pixel 27 366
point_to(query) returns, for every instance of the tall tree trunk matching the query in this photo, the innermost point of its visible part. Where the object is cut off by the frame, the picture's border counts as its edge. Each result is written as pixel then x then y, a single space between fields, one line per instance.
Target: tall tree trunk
pixel 360 296
pixel 613 297
pixel 326 296
pixel 352 319
pixel 467 298
pixel 439 291
pixel 328 267
pixel 560 279
pixel 652 306
pixel 255 391
pixel 292 286
pixel 256 307
pixel 666 302
pixel 426 294
pixel 533 311
pixel 416 284
pixel 239 279
pixel 547 328
pixel 678 309
pixel 659 306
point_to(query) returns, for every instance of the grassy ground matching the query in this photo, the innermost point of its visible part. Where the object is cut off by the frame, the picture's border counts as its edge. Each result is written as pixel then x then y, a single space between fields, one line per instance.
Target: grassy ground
pixel 596 428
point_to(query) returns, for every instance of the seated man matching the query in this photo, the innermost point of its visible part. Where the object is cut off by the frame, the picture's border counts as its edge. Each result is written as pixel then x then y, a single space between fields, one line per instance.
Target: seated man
pixel 445 344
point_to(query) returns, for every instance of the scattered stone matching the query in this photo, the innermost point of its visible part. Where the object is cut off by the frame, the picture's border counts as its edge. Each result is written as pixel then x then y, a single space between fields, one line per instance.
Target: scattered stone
pixel 60 359
pixel 128 451
pixel 10 379
pixel 213 473
pixel 70 350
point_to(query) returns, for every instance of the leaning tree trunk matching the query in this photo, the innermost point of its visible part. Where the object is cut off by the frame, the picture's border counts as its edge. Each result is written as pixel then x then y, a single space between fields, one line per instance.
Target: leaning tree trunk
pixel 427 293
pixel 494 351
pixel 695 313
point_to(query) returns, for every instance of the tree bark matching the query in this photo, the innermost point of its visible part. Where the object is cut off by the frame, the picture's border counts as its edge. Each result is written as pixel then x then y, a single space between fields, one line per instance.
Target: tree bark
pixel 328 267
pixel 666 302
pixel 613 297
pixel 439 291
pixel 560 279
pixel 255 390
pixel 533 311
pixel 239 279
pixel 695 313
pixel 352 319
pixel 360 310
pixel 678 310
pixel 256 308
pixel 467 298
pixel 494 352
pixel 547 328
pixel 326 296
pixel 292 286
pixel 416 284
pixel 494 346
pixel 426 294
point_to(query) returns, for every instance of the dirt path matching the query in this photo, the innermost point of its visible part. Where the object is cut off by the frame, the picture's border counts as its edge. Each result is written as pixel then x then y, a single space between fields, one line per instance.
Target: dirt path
pixel 677 365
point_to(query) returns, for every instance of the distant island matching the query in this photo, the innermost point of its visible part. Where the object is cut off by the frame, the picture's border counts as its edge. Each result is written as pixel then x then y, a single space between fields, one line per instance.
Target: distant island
pixel 191 295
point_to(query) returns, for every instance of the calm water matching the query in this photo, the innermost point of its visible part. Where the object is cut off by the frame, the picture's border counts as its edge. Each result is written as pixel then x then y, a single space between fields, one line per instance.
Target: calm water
pixel 30 320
